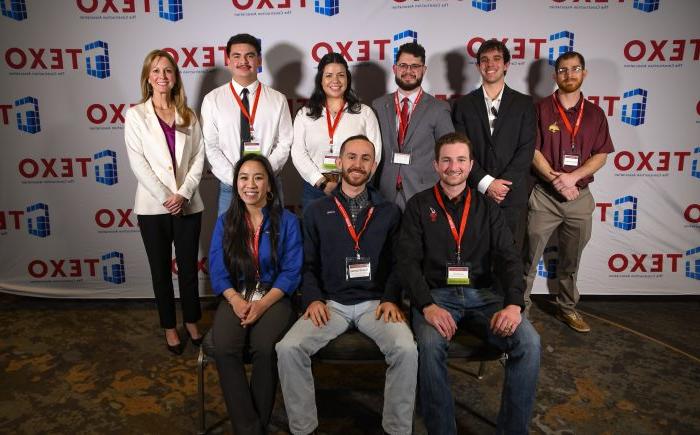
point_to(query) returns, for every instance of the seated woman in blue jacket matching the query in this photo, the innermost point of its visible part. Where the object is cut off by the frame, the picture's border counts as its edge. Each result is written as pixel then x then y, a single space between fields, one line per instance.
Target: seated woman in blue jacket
pixel 255 263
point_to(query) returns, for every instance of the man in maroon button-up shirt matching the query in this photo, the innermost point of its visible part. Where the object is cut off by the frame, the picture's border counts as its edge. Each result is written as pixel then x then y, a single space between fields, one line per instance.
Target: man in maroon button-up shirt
pixel 572 144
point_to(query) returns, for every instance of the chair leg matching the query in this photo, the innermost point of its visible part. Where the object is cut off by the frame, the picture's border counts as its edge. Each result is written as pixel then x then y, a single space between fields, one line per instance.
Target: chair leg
pixel 482 370
pixel 201 365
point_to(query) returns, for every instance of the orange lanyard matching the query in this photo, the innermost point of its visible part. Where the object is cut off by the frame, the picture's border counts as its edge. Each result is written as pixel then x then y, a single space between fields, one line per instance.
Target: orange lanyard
pixel 254 244
pixel 250 117
pixel 404 127
pixel 351 229
pixel 331 128
pixel 462 225
pixel 572 131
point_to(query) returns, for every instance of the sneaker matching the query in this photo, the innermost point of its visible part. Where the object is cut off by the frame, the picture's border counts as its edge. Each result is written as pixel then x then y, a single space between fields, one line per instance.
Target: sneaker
pixel 574 320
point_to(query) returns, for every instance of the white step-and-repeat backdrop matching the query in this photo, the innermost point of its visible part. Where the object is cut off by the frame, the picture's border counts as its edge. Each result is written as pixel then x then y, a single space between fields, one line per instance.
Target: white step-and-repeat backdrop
pixel 70 69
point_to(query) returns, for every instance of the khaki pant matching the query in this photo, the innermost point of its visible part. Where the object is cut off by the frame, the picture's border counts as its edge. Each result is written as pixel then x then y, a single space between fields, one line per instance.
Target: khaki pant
pixel 573 220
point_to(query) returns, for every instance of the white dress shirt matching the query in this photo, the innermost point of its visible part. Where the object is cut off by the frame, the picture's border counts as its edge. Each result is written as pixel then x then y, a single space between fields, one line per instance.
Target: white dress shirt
pixel 496 104
pixel 312 143
pixel 221 126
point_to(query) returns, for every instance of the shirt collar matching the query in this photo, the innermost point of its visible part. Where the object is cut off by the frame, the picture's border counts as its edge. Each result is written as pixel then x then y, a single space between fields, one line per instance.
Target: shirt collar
pixel 457 199
pixel 575 108
pixel 411 97
pixel 363 197
pixel 251 87
pixel 496 102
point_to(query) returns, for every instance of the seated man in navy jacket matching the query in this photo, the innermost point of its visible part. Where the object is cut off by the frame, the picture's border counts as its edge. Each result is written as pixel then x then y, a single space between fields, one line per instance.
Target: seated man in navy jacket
pixel 450 236
pixel 347 281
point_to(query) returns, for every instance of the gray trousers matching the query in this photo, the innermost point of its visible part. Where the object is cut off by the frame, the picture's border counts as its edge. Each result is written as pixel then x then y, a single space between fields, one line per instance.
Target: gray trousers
pixel 573 219
pixel 395 340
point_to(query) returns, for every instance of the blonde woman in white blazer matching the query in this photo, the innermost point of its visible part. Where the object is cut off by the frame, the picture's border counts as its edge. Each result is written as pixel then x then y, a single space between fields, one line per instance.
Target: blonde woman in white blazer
pixel 166 153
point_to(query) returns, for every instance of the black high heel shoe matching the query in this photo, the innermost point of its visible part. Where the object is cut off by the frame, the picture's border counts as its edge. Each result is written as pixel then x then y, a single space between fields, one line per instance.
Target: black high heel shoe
pixel 196 341
pixel 177 349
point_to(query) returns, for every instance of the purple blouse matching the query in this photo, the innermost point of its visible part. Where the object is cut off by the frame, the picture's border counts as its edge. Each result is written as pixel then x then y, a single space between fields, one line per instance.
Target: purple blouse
pixel 169 131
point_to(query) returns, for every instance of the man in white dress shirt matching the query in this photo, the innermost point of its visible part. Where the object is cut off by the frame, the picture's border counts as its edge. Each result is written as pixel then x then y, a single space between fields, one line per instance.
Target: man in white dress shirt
pixel 244 116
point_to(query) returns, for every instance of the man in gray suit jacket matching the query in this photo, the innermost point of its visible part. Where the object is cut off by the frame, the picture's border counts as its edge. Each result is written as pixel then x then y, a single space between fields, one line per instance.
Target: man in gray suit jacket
pixel 411 121
pixel 500 123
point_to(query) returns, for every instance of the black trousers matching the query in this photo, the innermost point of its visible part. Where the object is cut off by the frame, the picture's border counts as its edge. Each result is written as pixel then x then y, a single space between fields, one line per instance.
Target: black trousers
pixel 159 232
pixel 516 220
pixel 249 405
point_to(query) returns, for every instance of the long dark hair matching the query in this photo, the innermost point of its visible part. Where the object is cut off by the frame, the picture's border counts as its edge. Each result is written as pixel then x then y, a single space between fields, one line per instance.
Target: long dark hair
pixel 237 255
pixel 318 97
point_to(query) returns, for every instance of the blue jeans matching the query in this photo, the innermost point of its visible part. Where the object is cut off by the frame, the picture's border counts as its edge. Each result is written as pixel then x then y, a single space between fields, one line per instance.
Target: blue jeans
pixel 309 194
pixel 473 309
pixel 225 198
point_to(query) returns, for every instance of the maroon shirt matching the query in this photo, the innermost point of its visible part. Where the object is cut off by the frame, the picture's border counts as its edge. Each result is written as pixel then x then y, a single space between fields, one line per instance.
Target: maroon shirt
pixel 554 140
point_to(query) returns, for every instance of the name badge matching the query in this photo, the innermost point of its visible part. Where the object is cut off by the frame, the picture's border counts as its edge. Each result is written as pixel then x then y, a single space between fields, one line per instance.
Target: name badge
pixel 358 269
pixel 570 160
pixel 402 158
pixel 329 162
pixel 458 273
pixel 251 148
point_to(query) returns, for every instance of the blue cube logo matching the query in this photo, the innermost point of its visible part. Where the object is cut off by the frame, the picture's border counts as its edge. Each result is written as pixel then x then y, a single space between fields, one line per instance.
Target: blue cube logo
pixel 625 213
pixel 170 10
pixel 484 5
pixel 106 169
pixel 646 5
pixel 113 267
pixel 547 266
pixel 328 8
pixel 695 166
pixel 401 38
pixel 97 66
pixel 28 115
pixel 38 222
pixel 565 46
pixel 692 263
pixel 634 113
pixel 16 11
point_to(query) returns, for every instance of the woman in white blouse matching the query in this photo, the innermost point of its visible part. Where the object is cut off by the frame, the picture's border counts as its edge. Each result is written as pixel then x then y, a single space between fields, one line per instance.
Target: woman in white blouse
pixel 332 114
pixel 166 153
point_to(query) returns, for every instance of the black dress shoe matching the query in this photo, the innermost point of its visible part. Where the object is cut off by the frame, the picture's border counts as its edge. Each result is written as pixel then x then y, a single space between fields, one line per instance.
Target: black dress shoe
pixel 177 349
pixel 196 341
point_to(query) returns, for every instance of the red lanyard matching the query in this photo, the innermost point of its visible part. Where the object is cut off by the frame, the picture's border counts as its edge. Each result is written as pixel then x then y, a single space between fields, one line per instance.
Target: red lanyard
pixel 351 229
pixel 404 127
pixel 331 128
pixel 462 224
pixel 254 244
pixel 251 116
pixel 567 124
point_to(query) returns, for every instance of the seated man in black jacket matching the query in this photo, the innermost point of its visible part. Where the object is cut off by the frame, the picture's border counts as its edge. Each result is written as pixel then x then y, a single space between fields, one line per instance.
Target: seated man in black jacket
pixel 450 236
pixel 348 256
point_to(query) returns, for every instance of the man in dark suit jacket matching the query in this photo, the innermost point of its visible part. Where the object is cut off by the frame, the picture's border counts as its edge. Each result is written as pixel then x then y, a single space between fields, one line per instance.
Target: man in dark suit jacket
pixel 411 121
pixel 500 123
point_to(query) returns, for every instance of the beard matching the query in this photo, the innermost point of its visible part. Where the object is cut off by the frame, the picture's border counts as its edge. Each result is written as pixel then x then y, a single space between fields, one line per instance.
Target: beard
pixel 408 86
pixel 570 86
pixel 350 181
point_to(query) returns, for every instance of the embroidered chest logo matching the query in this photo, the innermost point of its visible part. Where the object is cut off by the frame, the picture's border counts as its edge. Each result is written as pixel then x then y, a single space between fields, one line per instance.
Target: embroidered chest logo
pixel 432 215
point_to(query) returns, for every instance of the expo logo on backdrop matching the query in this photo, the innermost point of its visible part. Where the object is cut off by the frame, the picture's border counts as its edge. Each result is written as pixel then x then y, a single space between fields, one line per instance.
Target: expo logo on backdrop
pixel 529 48
pixel 116 220
pixel 639 5
pixel 547 266
pixel 34 218
pixel 633 105
pixel 661 53
pixel 482 5
pixel 248 8
pixel 365 50
pixel 109 267
pixel 201 59
pixel 26 114
pixel 94 56
pixel 169 10
pixel 202 267
pixel 655 264
pixel 107 116
pixel 623 210
pixel 629 163
pixel 68 169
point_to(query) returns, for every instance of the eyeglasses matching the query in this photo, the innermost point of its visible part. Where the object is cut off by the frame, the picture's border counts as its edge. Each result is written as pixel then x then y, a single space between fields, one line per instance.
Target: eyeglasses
pixel 572 70
pixel 412 67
